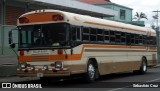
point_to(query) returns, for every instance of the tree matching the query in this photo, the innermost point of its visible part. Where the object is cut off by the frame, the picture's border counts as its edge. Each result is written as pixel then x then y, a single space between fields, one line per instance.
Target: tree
pixel 140 16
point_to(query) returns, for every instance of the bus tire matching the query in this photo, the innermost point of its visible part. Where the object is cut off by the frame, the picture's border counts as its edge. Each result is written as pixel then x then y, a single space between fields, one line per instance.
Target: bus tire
pixel 91 73
pixel 143 67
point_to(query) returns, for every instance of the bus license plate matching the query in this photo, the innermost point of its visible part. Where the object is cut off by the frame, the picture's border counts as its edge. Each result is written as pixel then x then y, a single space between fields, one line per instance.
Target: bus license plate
pixel 39 74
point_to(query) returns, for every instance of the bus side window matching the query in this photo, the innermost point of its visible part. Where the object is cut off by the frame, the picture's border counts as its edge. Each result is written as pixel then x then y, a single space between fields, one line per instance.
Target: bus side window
pixel 144 39
pixel 140 39
pixel 106 36
pixel 100 35
pixel 78 33
pixel 128 37
pixel 93 34
pixel 123 38
pixel 148 40
pixel 112 36
pixel 74 29
pixel 118 37
pixel 154 41
pixel 136 39
pixel 132 36
pixel 86 34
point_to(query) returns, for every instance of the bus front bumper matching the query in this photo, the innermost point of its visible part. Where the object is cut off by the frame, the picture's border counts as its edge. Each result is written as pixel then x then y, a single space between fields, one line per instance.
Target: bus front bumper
pixel 43 73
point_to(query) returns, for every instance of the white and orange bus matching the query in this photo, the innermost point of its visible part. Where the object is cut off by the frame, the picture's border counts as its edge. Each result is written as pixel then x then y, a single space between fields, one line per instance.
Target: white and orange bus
pixel 55 43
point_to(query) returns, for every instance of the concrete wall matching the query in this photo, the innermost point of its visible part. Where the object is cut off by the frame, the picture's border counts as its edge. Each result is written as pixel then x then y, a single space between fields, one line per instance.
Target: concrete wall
pixel 9 15
pixel 9 12
pixel 6 49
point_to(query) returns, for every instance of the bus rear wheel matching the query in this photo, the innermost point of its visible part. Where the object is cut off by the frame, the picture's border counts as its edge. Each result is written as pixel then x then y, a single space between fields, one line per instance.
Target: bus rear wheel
pixel 143 67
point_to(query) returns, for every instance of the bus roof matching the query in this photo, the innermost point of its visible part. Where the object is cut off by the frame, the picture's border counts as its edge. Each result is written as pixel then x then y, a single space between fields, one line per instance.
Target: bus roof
pixel 46 16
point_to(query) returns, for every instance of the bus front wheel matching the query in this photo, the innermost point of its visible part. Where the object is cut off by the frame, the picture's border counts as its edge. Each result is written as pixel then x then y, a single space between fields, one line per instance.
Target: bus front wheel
pixel 91 73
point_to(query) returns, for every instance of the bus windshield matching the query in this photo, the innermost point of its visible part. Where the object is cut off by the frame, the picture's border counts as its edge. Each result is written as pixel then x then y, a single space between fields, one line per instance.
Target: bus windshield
pixel 46 35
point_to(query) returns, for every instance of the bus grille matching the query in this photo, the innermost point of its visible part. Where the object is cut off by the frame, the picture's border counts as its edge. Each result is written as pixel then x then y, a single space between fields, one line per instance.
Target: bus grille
pixel 40 58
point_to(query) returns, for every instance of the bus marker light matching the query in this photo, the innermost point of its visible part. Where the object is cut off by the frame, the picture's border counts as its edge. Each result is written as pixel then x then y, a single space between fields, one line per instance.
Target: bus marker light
pixel 28 65
pixel 39 69
pixel 58 64
pixel 32 68
pixel 21 53
pixel 53 68
pixel 45 67
pixel 52 64
pixel 19 69
pixel 57 18
pixel 23 20
pixel 26 70
pixel 60 51
pixel 61 68
pixel 23 65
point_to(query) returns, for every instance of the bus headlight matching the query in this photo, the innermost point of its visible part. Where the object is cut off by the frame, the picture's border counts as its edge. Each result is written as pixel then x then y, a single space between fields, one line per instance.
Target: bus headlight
pixel 45 67
pixel 32 67
pixel 23 65
pixel 58 64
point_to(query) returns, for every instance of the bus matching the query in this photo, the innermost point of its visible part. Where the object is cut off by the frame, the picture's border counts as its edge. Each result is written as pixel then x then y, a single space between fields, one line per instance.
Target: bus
pixel 54 43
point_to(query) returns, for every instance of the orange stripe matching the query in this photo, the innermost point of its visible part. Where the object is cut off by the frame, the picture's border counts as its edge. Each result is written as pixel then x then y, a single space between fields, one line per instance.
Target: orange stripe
pixel 100 24
pixel 51 58
pixel 73 56
pixel 40 17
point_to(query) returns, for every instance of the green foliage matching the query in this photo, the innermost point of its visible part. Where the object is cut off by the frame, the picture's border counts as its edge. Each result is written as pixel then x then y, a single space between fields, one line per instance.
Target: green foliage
pixel 139 16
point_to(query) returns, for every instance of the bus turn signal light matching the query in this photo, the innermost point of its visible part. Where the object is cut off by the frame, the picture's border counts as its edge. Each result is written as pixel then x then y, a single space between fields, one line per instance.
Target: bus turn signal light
pixel 57 18
pixel 23 20
pixel 52 64
pixel 60 51
pixel 21 53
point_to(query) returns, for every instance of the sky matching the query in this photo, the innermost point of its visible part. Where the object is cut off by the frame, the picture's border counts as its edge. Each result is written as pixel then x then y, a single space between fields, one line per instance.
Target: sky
pixel 145 6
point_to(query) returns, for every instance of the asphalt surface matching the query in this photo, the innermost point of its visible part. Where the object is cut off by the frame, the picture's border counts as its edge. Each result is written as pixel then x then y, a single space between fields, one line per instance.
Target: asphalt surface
pixel 113 82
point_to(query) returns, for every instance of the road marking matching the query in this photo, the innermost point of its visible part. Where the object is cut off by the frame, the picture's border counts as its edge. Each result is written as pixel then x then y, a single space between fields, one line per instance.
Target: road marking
pixel 153 80
pixel 137 83
pixel 119 88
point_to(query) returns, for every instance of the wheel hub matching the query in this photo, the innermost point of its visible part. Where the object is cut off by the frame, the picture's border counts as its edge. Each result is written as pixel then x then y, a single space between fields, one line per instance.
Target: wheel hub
pixel 91 71
pixel 144 66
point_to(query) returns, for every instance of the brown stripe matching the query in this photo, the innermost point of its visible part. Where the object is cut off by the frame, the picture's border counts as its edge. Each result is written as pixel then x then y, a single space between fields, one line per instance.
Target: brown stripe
pixel 115 67
pixel 96 50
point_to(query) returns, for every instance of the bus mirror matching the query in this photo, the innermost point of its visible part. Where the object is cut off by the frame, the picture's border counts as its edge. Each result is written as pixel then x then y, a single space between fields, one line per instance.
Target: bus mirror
pixel 10 37
pixel 13 45
pixel 10 40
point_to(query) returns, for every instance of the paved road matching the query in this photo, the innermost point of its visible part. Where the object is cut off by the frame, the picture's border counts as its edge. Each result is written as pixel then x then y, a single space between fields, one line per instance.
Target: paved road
pixel 114 82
